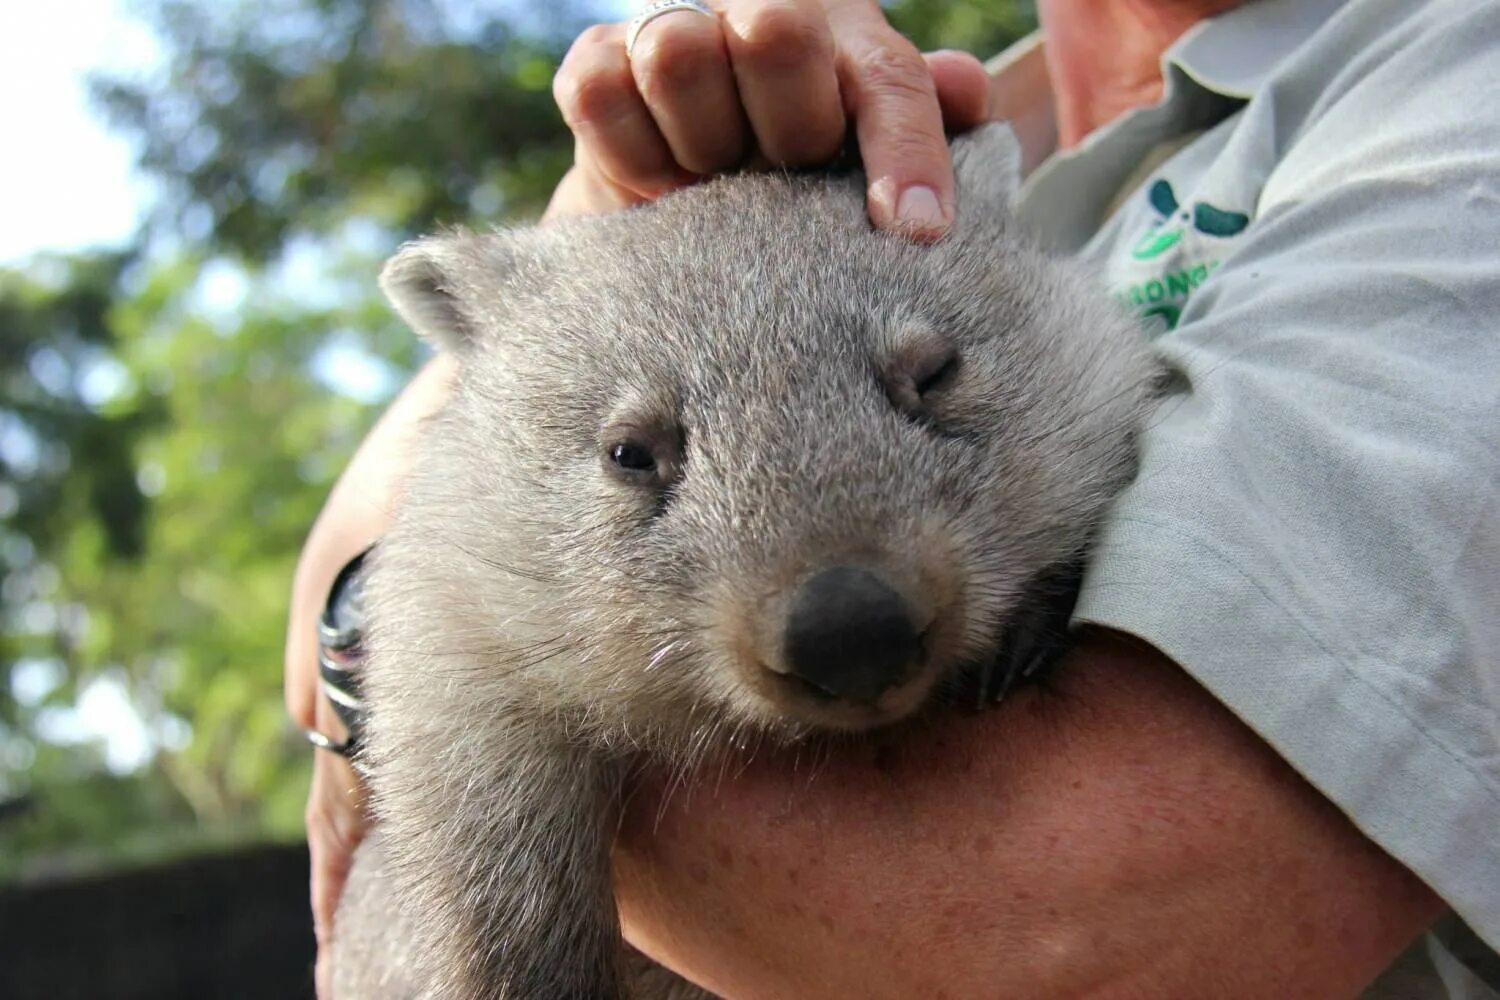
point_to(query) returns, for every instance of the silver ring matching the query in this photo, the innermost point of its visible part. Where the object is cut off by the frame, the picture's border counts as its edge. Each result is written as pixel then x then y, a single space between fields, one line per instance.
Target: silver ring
pixel 652 11
pixel 325 742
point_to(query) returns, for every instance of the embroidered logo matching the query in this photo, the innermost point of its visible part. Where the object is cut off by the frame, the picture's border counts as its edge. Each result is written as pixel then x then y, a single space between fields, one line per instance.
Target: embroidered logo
pixel 1159 298
pixel 1168 230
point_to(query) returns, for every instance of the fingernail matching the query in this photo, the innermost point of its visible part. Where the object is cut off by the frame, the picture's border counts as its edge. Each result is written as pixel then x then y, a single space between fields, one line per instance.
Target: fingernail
pixel 919 208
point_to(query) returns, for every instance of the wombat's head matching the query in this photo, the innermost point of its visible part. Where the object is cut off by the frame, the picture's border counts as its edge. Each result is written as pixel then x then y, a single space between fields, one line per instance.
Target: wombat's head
pixel 737 451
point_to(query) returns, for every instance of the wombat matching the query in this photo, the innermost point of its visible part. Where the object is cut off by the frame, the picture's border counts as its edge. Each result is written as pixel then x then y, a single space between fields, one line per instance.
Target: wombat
pixel 730 464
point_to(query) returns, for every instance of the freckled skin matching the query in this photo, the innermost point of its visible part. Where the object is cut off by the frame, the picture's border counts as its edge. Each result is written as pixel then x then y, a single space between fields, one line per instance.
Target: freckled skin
pixel 1156 876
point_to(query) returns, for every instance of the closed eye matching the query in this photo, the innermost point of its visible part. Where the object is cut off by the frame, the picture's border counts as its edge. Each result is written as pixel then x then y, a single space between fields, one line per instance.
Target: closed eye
pixel 919 373
pixel 938 377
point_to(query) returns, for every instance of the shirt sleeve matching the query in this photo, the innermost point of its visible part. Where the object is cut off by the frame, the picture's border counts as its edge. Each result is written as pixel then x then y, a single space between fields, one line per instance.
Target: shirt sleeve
pixel 1315 530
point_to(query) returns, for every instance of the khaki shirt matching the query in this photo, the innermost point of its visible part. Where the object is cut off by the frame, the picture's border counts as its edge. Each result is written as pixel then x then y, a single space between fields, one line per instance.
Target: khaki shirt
pixel 1313 242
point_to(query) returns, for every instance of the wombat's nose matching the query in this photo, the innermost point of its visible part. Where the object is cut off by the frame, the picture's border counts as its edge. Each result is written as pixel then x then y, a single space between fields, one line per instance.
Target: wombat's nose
pixel 849 635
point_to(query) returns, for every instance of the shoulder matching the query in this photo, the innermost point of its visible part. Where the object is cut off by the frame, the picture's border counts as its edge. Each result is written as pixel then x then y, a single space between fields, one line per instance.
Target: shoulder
pixel 1385 85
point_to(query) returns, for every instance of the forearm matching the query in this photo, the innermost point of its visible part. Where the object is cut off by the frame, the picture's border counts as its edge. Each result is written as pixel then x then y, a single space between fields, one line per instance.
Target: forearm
pixel 1121 835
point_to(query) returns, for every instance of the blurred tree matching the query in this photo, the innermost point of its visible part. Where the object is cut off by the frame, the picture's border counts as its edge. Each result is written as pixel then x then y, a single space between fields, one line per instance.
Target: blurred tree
pixel 295 115
pixel 983 27
pixel 65 463
pixel 174 415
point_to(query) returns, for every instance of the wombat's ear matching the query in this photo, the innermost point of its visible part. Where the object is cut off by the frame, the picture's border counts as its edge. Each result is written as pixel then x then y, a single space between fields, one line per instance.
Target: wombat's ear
pixel 987 168
pixel 430 283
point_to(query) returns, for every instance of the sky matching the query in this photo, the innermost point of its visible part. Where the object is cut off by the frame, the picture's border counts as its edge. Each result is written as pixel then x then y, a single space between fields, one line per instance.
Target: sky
pixel 65 181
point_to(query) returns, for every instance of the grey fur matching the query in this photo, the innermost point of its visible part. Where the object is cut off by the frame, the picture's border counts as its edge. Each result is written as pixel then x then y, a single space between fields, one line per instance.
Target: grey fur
pixel 538 624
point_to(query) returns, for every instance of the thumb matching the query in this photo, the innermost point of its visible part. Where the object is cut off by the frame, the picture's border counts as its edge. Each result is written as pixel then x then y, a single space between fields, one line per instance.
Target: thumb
pixel 335 826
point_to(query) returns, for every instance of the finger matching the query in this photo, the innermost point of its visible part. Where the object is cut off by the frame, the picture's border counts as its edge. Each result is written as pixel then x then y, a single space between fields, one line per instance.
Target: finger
pixel 335 826
pixel 323 975
pixel 584 191
pixel 682 72
pixel 330 860
pixel 597 96
pixel 963 89
pixel 331 845
pixel 784 66
pixel 889 92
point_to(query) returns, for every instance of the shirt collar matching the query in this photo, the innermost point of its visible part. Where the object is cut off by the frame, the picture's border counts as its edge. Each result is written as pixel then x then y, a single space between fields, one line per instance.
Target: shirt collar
pixel 1230 55
pixel 1234 53
pixel 1216 65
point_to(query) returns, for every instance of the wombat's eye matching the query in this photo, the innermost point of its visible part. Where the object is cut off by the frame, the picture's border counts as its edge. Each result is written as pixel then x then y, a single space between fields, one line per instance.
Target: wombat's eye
pixel 632 457
pixel 643 456
pixel 936 373
pixel 919 370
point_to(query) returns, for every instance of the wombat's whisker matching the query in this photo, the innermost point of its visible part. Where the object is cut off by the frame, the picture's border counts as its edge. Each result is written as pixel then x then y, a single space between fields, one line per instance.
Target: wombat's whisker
pixel 487 561
pixel 660 654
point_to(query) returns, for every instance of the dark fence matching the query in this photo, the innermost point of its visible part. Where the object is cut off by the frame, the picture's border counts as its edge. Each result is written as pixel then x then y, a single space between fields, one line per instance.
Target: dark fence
pixel 226 926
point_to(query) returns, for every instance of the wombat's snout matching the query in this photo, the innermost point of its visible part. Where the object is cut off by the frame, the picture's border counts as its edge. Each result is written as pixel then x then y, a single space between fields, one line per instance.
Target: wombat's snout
pixel 850 636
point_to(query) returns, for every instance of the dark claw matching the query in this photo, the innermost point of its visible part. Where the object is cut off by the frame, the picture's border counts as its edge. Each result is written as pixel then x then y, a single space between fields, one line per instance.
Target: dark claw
pixel 1036 637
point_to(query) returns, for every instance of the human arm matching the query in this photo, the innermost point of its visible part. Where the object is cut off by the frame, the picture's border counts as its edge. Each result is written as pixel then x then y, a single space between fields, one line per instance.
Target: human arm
pixel 1120 834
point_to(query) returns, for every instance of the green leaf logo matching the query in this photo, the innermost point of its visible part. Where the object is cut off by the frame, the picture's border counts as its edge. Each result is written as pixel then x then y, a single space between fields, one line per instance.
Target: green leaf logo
pixel 1155 242
pixel 1168 231
pixel 1217 222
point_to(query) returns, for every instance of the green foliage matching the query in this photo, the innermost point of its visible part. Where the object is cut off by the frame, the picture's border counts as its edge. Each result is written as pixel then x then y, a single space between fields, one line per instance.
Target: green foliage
pixel 289 115
pixel 983 27
pixel 174 415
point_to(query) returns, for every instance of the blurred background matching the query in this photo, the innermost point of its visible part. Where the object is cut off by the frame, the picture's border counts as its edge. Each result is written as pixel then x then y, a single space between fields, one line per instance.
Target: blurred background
pixel 195 198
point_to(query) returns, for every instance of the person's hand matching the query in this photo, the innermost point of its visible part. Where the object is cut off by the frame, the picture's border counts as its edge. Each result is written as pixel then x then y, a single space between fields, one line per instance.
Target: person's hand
pixel 1119 836
pixel 772 82
pixel 356 513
